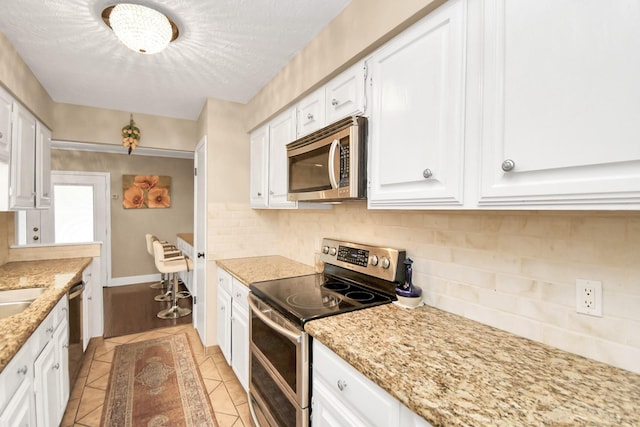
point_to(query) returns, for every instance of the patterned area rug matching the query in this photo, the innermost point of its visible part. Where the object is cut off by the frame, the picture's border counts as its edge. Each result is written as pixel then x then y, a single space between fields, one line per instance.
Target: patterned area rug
pixel 156 383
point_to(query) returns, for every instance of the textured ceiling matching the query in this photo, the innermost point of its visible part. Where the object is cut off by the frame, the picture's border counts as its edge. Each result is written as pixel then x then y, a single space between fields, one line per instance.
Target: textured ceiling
pixel 227 49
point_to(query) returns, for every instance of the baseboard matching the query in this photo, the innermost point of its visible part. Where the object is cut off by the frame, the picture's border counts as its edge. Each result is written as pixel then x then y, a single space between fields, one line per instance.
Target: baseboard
pixel 133 280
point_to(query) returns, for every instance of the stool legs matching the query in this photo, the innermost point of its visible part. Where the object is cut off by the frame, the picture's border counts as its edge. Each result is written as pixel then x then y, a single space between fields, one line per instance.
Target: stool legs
pixel 174 311
pixel 162 284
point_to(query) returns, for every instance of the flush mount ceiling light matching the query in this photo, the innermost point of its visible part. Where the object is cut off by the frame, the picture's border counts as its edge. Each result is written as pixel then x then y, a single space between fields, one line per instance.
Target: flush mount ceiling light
pixel 140 28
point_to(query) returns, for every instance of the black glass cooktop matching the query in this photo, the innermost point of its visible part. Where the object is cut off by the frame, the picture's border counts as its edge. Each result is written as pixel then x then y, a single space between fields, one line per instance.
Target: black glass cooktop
pixel 304 298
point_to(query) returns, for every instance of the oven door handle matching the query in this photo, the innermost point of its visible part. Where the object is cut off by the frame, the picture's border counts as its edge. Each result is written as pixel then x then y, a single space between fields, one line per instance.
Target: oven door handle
pixel 273 325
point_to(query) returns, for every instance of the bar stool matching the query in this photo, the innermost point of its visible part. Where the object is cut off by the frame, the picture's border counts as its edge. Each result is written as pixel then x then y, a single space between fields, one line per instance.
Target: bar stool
pixel 150 238
pixel 171 266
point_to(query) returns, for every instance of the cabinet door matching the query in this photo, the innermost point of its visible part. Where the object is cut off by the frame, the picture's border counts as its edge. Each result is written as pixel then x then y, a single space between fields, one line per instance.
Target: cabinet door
pixel 561 101
pixel 410 419
pixel 417 118
pixel 23 154
pixel 46 386
pixel 310 113
pixel 43 166
pixel 240 344
pixel 6 106
pixel 259 181
pixel 61 345
pixel 346 93
pixel 282 130
pixel 224 323
pixel 327 409
pixel 19 412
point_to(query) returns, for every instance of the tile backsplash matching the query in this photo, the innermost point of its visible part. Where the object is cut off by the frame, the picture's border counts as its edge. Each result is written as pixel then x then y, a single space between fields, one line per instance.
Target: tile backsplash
pixel 512 270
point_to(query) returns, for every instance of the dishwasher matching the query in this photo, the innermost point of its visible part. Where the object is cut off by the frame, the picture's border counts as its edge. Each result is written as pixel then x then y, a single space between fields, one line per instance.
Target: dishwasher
pixel 76 347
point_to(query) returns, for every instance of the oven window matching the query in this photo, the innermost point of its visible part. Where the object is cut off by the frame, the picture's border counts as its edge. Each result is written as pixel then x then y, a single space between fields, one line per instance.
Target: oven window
pixel 278 349
pixel 280 408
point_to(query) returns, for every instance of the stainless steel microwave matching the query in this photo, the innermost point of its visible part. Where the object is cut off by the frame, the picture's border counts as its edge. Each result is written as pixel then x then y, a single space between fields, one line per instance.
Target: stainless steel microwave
pixel 329 165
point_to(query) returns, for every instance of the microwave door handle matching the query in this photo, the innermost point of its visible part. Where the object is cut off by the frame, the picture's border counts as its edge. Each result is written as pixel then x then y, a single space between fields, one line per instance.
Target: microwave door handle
pixel 332 169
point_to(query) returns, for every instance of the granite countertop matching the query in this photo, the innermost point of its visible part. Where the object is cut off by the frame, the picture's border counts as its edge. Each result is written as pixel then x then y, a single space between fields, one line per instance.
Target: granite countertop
pixel 456 372
pixel 259 269
pixel 56 275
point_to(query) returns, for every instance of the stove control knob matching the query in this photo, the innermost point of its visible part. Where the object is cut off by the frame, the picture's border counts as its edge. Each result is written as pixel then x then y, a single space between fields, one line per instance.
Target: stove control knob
pixel 384 262
pixel 325 249
pixel 333 251
pixel 374 260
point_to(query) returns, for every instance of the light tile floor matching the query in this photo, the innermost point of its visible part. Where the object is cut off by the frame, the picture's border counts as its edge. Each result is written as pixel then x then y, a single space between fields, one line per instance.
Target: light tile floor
pixel 228 398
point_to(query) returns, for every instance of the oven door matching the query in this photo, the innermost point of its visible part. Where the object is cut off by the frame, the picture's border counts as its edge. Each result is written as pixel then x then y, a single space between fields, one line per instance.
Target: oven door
pixel 278 368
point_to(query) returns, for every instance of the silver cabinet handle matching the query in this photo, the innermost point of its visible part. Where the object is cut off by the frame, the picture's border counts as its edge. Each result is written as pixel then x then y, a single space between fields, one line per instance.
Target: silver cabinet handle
pixel 427 173
pixel 23 370
pixel 259 194
pixel 342 385
pixel 50 329
pixel 508 165
pixel 334 102
pixel 238 294
pixel 56 366
pixel 309 116
pixel 271 193
pixel 222 308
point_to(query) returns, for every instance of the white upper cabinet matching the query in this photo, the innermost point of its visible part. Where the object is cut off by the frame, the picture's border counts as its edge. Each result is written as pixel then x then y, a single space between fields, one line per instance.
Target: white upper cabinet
pixel 310 113
pixel 561 104
pixel 23 153
pixel 6 106
pixel 417 117
pixel 345 94
pixel 282 130
pixel 43 166
pixel 259 180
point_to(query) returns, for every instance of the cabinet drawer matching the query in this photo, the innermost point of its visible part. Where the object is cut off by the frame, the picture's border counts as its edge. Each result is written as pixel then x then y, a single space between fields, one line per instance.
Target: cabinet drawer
pixel 353 389
pixel 16 372
pixel 224 280
pixel 60 311
pixel 240 293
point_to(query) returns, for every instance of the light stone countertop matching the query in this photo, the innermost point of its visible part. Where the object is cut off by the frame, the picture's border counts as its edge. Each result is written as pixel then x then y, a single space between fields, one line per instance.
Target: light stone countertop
pixel 456 372
pixel 56 275
pixel 259 269
pixel 187 237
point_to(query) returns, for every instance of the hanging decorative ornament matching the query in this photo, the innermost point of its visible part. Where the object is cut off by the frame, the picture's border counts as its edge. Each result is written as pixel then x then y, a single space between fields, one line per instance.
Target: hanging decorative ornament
pixel 130 135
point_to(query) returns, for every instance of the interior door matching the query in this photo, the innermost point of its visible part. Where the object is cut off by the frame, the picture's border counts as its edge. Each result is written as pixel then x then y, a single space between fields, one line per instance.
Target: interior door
pixel 200 238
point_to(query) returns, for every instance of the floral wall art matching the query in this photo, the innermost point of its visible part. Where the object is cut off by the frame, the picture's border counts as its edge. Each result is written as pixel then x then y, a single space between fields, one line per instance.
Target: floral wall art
pixel 146 191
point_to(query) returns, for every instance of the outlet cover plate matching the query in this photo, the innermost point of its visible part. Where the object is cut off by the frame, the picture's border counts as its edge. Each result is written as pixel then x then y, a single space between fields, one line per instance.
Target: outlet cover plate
pixel 589 297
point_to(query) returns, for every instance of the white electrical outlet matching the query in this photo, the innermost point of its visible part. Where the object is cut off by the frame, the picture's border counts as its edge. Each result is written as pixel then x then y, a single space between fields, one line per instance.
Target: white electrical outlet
pixel 589 297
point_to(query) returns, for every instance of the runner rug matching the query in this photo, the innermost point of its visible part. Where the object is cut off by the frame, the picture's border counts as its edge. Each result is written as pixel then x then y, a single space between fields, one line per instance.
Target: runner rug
pixel 156 383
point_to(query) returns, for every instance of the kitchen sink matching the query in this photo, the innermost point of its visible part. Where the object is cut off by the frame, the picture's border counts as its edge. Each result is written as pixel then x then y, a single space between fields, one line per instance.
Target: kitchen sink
pixel 17 300
pixel 18 295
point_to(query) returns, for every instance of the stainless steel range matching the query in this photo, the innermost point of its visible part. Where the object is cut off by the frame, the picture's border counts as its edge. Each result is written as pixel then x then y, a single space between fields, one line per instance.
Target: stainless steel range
pixel 355 276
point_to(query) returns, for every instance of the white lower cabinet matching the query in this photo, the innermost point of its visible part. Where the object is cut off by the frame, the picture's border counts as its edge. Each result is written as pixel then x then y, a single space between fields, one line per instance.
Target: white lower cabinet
pixel 223 309
pixel 51 367
pixel 34 386
pixel 342 396
pixel 233 324
pixel 240 333
pixel 17 404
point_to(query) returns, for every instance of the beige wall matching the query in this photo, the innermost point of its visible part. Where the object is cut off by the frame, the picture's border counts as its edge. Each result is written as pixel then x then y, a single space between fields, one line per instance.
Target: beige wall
pixel 97 125
pixel 129 226
pixel 7 232
pixel 20 81
pixel 361 27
